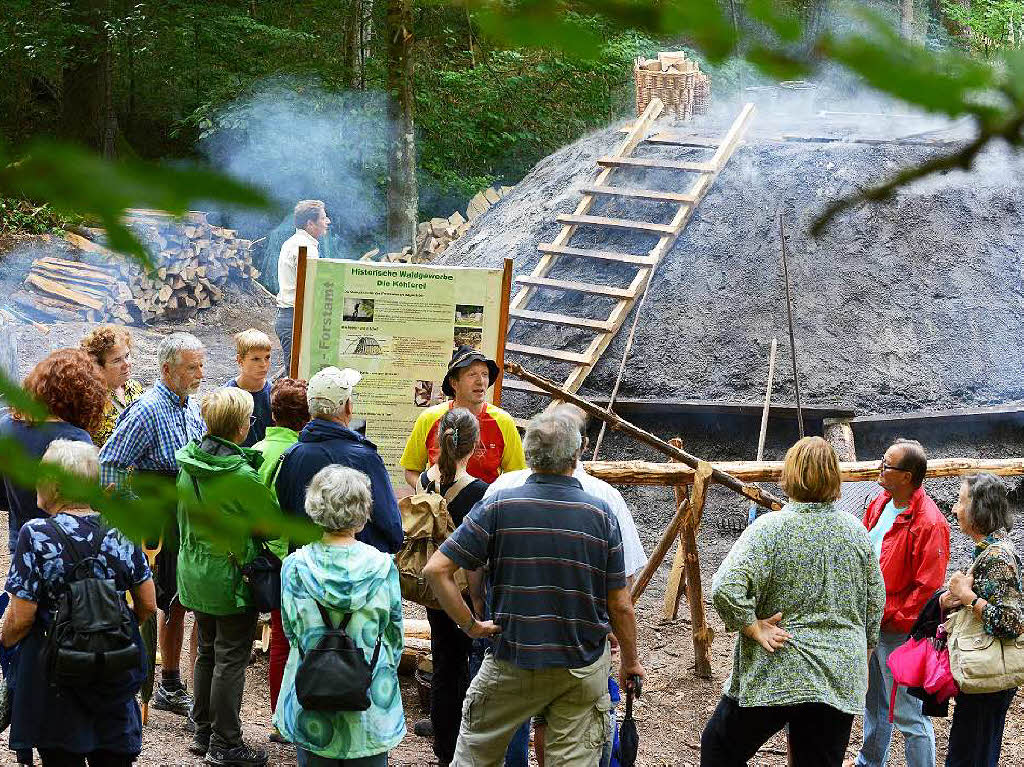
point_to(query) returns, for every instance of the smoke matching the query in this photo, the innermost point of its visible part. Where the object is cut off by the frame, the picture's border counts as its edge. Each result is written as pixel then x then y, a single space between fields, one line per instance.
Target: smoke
pixel 296 140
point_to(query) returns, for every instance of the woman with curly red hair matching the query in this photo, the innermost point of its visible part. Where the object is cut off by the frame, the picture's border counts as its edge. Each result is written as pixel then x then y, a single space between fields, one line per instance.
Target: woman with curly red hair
pixel 110 347
pixel 69 384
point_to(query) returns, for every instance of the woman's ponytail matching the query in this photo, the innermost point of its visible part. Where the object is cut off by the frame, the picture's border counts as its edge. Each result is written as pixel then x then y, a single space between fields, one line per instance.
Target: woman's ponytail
pixel 457 436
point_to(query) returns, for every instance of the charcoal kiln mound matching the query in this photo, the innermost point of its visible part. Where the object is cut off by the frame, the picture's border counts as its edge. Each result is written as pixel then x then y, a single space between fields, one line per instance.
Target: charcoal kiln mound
pixel 909 304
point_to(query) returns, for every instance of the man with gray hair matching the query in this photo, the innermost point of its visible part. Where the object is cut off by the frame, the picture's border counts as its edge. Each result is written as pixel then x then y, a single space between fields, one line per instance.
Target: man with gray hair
pixel 145 439
pixel 557 588
pixel 329 439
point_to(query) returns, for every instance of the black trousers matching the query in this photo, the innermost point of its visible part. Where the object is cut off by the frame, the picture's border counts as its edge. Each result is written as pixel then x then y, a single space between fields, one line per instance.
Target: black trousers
pixel 976 737
pixel 52 757
pixel 225 644
pixel 449 649
pixel 818 733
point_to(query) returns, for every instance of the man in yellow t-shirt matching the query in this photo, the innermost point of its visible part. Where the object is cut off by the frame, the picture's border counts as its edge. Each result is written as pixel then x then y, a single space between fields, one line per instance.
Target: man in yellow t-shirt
pixel 470 374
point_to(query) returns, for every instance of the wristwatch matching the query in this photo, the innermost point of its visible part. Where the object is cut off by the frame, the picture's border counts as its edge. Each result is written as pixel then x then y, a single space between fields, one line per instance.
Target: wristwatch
pixel 468 625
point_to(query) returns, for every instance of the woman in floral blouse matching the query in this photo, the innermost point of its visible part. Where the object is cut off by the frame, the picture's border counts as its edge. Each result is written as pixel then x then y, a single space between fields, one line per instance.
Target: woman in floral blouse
pixel 992 591
pixel 110 347
pixel 803 588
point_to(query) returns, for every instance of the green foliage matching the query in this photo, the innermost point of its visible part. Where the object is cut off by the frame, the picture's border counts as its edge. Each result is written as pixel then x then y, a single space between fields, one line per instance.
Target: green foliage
pixel 22 216
pixel 494 120
pixel 987 26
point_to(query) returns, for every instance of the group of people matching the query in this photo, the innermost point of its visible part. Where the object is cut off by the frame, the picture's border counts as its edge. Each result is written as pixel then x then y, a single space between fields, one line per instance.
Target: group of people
pixel 822 600
pixel 526 640
pixel 251 449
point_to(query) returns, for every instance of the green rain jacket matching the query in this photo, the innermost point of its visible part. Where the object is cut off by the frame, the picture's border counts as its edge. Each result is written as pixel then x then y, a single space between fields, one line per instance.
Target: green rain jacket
pixel 271 447
pixel 209 571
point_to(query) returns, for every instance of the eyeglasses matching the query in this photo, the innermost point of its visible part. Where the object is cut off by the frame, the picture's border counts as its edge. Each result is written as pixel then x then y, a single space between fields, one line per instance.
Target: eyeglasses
pixel 885 466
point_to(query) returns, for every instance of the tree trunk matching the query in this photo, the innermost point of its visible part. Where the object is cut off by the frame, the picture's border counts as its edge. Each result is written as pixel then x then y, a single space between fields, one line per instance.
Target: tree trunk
pixel 402 194
pixel 87 113
pixel 907 19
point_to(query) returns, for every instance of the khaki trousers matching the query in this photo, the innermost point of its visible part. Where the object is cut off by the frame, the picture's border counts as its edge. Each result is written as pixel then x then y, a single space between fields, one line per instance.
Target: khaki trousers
pixel 574 702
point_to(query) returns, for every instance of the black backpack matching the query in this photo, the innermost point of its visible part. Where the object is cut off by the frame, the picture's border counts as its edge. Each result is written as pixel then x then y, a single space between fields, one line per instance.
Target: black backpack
pixel 91 639
pixel 334 675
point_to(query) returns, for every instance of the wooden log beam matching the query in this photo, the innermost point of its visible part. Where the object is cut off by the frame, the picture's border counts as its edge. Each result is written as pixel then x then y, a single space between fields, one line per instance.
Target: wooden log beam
pixel 755 494
pixel 667 474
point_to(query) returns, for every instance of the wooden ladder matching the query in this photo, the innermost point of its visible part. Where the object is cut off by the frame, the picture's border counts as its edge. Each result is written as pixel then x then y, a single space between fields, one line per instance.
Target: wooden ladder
pixel 625 297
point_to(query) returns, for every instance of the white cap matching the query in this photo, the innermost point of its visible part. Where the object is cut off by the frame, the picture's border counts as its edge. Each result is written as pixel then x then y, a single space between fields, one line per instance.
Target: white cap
pixel 333 385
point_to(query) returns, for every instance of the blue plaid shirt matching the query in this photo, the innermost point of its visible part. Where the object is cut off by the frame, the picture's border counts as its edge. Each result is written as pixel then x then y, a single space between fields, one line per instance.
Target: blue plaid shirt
pixel 148 433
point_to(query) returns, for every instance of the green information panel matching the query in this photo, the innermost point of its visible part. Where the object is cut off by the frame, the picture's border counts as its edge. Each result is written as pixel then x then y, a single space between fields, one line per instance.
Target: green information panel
pixel 397 325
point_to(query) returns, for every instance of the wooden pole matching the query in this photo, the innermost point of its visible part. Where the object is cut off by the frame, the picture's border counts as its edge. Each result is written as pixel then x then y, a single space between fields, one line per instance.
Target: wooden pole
pixel 687 534
pixel 792 338
pixel 662 474
pixel 668 537
pixel 499 356
pixel 755 494
pixel 300 302
pixel 752 513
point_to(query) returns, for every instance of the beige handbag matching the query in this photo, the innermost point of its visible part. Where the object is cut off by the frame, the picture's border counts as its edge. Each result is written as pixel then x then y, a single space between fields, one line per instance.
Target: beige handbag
pixel 979 661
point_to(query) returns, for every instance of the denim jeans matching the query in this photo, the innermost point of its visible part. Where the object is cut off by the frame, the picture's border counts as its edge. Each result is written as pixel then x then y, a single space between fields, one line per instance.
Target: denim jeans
pixel 976 736
pixel 918 735
pixel 283 328
pixel 518 752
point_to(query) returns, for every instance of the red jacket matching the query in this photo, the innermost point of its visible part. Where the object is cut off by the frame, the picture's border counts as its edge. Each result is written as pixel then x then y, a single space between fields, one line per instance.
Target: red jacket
pixel 915 553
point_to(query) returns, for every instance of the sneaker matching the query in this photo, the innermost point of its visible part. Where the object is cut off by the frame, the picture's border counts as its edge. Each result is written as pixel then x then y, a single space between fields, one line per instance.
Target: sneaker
pixel 176 701
pixel 424 728
pixel 242 755
pixel 200 744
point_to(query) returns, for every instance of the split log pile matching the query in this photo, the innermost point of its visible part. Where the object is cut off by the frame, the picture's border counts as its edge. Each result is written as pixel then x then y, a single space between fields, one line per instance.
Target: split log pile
pixel 676 80
pixel 433 236
pixel 194 262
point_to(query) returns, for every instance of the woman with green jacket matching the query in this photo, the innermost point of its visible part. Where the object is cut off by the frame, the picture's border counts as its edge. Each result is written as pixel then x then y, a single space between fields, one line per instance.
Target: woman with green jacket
pixel 220 500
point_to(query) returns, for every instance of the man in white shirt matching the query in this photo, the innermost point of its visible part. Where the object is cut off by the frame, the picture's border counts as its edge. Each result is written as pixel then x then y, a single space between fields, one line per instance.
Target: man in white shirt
pixel 632 550
pixel 311 224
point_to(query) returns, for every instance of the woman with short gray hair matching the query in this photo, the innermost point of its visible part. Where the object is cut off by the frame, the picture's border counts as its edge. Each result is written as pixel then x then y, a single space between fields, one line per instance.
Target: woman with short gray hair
pixel 357 586
pixel 991 589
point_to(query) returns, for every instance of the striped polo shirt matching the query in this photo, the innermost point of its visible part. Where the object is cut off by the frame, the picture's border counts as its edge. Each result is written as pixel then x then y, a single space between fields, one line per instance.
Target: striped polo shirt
pixel 554 553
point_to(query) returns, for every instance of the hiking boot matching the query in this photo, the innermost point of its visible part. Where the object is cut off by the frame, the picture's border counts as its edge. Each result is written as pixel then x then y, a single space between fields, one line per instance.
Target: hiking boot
pixel 176 701
pixel 242 755
pixel 200 744
pixel 424 728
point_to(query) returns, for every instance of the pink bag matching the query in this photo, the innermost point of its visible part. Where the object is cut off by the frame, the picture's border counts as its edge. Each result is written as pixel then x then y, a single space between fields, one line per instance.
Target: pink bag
pixel 920 663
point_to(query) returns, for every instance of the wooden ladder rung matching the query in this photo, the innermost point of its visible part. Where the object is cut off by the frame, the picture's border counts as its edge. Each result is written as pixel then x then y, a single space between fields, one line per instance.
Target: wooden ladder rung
pixel 615 223
pixel 640 194
pixel 602 326
pixel 642 162
pixel 681 139
pixel 551 354
pixel 579 287
pixel 524 386
pixel 603 255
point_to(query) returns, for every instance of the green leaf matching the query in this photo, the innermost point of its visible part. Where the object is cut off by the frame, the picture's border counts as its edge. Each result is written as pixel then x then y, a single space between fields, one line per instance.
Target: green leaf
pixel 20 401
pixel 73 180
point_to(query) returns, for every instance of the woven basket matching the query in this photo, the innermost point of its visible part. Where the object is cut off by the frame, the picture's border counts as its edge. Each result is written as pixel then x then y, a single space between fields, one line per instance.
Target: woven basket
pixel 684 94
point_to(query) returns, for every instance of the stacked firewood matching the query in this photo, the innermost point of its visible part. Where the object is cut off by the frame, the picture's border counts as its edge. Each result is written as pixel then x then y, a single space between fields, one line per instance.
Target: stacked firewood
pixel 194 261
pixel 433 236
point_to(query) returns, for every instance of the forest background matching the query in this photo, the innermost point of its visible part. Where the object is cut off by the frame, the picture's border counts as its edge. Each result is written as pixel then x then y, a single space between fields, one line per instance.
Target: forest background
pixel 301 98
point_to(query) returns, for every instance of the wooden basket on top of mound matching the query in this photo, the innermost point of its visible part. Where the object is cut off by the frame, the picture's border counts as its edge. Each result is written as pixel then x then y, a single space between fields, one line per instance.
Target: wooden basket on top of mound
pixel 677 81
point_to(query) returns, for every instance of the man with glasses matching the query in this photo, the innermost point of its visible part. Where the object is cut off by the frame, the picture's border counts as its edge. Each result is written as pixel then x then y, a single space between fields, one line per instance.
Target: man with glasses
pixel 330 439
pixel 911 539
